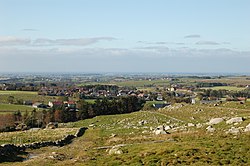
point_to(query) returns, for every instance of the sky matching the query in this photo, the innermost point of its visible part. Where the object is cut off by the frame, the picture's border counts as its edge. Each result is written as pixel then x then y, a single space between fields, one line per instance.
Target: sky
pixel 187 36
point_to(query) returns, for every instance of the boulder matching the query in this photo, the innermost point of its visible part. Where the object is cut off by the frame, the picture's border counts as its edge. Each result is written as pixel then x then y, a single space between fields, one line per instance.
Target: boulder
pixel 234 120
pixel 160 130
pixel 233 131
pixel 247 129
pixel 210 129
pixel 215 121
pixel 199 125
pixel 115 150
pixel 167 127
pixel 51 125
pixel 191 125
pixel 157 132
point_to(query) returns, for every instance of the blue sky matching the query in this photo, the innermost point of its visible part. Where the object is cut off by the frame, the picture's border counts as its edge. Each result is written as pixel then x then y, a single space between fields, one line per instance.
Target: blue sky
pixel 124 36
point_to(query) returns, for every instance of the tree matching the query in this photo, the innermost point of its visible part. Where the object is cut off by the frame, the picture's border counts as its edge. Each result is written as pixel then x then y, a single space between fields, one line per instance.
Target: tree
pixel 58 115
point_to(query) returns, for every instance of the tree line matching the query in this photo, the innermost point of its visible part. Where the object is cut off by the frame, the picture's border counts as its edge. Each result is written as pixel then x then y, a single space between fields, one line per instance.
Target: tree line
pixel 62 114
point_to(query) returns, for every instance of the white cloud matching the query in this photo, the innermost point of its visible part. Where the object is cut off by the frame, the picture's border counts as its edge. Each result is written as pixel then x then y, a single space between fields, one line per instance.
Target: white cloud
pixel 207 43
pixel 10 40
pixel 71 42
pixel 17 41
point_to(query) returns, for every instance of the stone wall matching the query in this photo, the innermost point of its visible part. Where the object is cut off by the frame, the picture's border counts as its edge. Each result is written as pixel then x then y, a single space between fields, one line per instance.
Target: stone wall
pixel 10 152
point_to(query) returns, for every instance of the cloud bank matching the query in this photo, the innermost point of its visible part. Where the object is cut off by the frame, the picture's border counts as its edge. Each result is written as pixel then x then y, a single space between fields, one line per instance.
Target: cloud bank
pixel 15 41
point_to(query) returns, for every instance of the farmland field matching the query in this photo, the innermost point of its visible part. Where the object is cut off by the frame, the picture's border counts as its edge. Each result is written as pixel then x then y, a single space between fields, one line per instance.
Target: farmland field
pixel 231 88
pixel 9 108
pixel 17 92
pixel 24 96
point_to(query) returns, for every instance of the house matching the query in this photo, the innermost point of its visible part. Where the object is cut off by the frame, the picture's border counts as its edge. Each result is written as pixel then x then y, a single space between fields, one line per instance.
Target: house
pixel 70 104
pixel 55 103
pixel 123 93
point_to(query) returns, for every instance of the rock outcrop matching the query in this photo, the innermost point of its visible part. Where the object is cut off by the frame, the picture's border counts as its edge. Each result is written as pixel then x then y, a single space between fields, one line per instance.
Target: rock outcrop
pixel 234 120
pixel 215 121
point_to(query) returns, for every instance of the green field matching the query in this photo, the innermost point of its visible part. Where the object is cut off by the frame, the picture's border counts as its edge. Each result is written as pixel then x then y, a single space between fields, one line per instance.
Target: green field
pixel 134 83
pixel 231 88
pixel 10 108
pixel 17 92
pixel 24 96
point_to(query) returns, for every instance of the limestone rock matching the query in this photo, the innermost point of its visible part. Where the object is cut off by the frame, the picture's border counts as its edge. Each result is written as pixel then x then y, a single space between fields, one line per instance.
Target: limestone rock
pixel 160 130
pixel 210 129
pixel 115 150
pixel 234 120
pixel 233 131
pixel 191 125
pixel 215 121
pixel 247 129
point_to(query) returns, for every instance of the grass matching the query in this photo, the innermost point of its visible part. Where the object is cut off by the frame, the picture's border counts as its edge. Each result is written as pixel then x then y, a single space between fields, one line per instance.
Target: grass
pixel 8 108
pixel 231 88
pixel 24 96
pixel 35 136
pixel 191 146
pixel 140 84
pixel 17 92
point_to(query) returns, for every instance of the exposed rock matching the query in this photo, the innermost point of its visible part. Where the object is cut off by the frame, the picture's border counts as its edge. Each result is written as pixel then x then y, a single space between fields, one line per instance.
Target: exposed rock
pixel 191 125
pixel 112 135
pixel 199 125
pixel 92 125
pixel 247 129
pixel 142 122
pixel 233 131
pixel 57 156
pixel 234 120
pixel 215 121
pixel 167 127
pixel 157 132
pixel 160 130
pixel 51 125
pixel 210 129
pixel 115 150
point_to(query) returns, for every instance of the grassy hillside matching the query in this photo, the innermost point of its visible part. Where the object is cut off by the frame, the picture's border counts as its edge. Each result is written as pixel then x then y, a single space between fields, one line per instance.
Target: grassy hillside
pixel 129 139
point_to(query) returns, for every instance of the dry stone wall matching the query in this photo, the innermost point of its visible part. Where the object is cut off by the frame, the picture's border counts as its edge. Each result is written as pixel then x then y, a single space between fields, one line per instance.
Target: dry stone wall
pixel 10 152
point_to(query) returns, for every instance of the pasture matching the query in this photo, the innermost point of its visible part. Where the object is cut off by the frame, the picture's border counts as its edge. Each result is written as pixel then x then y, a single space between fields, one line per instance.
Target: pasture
pixel 24 96
pixel 10 108
pixel 230 88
